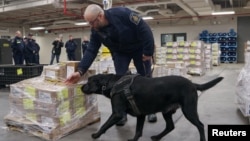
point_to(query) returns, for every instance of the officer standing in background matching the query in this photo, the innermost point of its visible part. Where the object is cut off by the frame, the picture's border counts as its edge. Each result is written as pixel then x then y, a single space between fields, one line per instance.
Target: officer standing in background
pixel 85 44
pixel 30 50
pixel 36 55
pixel 71 48
pixel 126 35
pixel 17 46
pixel 56 50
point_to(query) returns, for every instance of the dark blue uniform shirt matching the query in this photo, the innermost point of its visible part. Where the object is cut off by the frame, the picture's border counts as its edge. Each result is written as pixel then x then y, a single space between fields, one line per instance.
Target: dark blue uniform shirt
pixel 17 46
pixel 126 33
pixel 70 46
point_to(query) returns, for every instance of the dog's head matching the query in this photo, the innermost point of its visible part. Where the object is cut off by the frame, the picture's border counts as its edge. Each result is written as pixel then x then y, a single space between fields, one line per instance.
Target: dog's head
pixel 100 84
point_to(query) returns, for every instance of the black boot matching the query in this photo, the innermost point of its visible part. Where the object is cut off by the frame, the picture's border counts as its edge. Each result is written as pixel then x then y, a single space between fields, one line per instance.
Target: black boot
pixel 152 118
pixel 122 121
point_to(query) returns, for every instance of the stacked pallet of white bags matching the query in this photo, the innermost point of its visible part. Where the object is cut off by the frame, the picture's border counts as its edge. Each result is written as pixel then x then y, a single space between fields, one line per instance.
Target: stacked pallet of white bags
pixel 243 87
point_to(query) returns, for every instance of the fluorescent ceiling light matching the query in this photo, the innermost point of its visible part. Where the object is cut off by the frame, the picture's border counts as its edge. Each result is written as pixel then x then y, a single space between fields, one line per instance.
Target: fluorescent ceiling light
pixel 223 13
pixel 82 23
pixel 147 18
pixel 37 28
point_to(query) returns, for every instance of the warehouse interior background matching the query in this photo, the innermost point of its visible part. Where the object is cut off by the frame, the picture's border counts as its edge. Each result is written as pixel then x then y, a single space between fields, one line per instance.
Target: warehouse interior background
pixel 189 17
pixel 169 16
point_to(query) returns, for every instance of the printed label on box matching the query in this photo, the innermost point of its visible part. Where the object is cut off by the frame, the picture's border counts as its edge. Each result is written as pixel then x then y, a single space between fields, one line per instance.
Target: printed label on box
pixel 28 104
pixel 64 94
pixel 80 112
pixel 16 92
pixel 79 101
pixel 44 97
pixel 50 73
pixel 65 118
pixel 64 106
pixel 70 70
pixel 78 91
pixel 30 91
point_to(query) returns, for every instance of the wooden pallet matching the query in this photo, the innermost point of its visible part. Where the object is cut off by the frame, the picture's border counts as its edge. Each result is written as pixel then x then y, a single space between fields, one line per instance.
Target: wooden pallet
pixel 31 128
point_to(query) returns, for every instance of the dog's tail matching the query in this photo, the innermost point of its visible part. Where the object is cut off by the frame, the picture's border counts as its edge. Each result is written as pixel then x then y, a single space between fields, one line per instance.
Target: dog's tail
pixel 210 84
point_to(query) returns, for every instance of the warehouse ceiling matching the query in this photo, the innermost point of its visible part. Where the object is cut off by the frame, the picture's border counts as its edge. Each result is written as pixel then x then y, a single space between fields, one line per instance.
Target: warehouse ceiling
pixel 58 14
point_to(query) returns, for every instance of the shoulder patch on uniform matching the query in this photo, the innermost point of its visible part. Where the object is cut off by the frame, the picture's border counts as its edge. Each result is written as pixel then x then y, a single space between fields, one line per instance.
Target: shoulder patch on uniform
pixel 134 18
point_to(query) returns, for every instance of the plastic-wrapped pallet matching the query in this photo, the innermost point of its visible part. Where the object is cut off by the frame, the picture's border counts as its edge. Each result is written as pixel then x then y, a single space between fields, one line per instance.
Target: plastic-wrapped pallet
pixel 171 68
pixel 216 54
pixel 172 50
pixel 247 51
pixel 208 56
pixel 183 52
pixel 49 110
pixel 243 89
pixel 160 55
pixel 196 58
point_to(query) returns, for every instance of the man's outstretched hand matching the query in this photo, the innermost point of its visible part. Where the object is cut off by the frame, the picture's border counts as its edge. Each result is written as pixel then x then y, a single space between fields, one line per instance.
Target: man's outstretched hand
pixel 73 78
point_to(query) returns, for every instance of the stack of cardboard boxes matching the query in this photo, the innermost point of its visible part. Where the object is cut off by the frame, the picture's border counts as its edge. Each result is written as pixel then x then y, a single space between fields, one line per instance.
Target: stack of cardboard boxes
pixel 216 54
pixel 196 58
pixel 190 53
pixel 45 107
pixel 208 56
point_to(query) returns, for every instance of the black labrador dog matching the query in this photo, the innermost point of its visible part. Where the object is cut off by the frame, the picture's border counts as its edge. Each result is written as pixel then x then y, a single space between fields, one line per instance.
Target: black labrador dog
pixel 140 96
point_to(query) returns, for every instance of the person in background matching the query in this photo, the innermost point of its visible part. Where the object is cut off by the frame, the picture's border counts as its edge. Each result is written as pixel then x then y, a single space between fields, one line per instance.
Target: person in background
pixel 85 44
pixel 56 50
pixel 127 36
pixel 36 55
pixel 17 45
pixel 71 48
pixel 30 49
pixel 25 40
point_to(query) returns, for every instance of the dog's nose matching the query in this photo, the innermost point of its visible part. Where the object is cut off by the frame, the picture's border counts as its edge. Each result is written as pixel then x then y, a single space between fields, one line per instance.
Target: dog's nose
pixel 85 88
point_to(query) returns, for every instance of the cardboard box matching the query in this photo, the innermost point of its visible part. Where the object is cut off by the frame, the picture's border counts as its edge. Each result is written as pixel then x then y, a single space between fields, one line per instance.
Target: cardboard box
pixel 53 96
pixel 175 64
pixel 71 67
pixel 55 72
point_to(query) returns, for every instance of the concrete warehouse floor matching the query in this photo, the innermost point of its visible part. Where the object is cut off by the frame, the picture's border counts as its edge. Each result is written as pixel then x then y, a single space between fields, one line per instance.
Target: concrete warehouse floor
pixel 215 106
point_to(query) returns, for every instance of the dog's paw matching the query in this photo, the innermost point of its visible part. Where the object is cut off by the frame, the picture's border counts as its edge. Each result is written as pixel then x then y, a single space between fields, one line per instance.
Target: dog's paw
pixel 155 138
pixel 95 135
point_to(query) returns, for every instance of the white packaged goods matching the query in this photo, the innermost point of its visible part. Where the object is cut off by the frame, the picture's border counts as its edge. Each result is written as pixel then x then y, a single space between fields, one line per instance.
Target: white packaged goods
pixel 172 68
pixel 244 104
pixel 216 54
pixel 208 56
pixel 160 55
pixel 190 53
pixel 243 89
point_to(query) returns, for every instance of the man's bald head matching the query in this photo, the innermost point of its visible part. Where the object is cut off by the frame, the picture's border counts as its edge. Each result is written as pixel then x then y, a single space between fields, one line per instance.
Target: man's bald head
pixel 92 12
pixel 18 33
